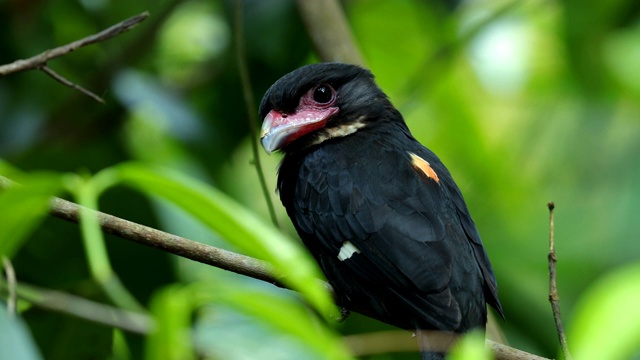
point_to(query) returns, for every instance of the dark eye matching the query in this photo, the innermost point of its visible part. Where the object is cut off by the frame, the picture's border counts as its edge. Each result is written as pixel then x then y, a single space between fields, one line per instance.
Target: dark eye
pixel 323 94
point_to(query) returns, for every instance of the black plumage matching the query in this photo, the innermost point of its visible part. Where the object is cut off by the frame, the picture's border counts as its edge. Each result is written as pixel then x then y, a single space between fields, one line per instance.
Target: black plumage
pixel 379 211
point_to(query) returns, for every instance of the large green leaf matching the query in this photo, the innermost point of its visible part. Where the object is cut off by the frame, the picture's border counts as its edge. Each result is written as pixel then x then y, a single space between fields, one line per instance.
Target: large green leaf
pixel 232 221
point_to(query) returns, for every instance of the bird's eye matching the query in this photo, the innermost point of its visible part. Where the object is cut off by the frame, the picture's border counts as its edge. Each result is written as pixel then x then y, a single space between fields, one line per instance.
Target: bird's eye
pixel 323 94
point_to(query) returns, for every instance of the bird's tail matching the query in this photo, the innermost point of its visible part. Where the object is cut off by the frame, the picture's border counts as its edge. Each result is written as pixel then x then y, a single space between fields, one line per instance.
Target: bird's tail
pixel 433 344
pixel 428 355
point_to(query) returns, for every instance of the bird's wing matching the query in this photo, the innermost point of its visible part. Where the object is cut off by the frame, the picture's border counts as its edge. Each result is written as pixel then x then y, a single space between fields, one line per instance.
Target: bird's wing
pixel 491 286
pixel 403 223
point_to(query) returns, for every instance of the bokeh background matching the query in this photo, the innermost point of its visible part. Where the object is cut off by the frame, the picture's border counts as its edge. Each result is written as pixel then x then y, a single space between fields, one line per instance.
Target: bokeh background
pixel 524 101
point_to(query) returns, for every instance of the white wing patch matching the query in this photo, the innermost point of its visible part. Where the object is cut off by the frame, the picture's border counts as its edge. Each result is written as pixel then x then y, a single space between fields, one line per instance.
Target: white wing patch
pixel 347 250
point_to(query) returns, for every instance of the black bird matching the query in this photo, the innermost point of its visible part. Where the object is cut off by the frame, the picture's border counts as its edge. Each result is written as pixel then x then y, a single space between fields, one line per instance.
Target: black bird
pixel 379 211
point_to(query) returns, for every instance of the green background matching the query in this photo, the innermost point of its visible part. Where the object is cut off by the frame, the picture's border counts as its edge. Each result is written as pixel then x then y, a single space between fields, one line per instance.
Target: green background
pixel 525 102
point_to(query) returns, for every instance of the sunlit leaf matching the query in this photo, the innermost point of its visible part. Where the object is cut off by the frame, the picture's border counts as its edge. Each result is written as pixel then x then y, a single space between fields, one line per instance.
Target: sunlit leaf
pixel 607 320
pixel 233 222
pixel 470 346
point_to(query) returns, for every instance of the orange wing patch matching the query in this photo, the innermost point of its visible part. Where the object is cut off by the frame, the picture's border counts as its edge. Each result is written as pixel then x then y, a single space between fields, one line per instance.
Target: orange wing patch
pixel 424 167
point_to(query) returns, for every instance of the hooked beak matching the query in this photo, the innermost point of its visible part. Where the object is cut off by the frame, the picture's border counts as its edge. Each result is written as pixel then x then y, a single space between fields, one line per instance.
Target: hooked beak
pixel 279 130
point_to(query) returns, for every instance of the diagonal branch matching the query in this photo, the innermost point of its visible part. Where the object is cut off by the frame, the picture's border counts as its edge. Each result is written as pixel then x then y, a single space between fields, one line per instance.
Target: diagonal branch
pixel 206 254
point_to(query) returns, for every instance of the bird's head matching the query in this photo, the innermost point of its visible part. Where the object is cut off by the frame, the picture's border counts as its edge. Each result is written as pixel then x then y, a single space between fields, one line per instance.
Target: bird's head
pixel 319 102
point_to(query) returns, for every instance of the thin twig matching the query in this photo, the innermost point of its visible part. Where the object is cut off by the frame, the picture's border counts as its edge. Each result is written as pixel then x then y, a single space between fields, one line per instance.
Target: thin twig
pixel 10 274
pixel 59 78
pixel 206 254
pixel 40 61
pixel 247 91
pixel 44 57
pixel 554 298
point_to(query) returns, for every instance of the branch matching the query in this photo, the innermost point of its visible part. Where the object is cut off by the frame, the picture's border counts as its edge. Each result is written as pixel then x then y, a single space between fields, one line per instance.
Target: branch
pixel 84 309
pixel 329 31
pixel 504 352
pixel 206 254
pixel 40 61
pixel 42 58
pixel 554 298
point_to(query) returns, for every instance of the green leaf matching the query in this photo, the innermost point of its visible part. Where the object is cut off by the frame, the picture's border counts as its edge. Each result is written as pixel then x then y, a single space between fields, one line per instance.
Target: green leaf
pixel 233 222
pixel 86 195
pixel 22 207
pixel 470 346
pixel 86 192
pixel 607 320
pixel 171 308
pixel 121 349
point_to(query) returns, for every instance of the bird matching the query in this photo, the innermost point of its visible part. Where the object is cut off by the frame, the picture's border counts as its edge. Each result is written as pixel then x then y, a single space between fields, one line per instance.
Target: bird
pixel 379 212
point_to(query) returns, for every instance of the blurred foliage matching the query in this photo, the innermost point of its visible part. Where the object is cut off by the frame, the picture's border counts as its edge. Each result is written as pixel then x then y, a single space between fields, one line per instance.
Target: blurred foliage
pixel 609 304
pixel 471 346
pixel 525 101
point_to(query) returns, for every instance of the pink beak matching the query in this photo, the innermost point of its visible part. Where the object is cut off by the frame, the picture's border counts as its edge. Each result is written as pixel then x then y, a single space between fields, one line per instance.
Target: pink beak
pixel 279 130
